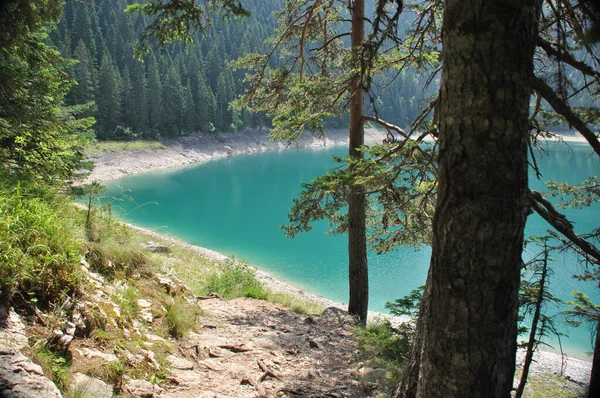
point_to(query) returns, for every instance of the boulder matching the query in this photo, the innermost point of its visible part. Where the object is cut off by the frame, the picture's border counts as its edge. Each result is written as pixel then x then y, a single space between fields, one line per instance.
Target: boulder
pixel 88 387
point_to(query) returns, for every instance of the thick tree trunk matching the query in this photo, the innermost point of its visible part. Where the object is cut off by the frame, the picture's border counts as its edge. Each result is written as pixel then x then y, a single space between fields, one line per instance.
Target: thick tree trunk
pixel 468 336
pixel 357 241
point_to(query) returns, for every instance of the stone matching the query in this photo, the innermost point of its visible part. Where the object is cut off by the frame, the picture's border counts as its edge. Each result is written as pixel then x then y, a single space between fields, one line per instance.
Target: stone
pixel 142 303
pixel 157 248
pixel 145 314
pixel 91 353
pixel 315 344
pixel 180 363
pixel 88 387
pixel 12 329
pixel 21 378
pixel 142 388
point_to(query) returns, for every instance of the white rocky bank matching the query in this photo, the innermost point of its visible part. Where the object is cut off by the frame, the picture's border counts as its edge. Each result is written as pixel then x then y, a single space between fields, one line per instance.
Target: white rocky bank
pixel 201 148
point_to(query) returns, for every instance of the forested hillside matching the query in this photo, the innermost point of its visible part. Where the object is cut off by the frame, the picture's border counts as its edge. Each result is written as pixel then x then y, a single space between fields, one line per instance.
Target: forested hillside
pixel 186 88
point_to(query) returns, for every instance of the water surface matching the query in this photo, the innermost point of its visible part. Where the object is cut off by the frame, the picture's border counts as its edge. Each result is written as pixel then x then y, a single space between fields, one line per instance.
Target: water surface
pixel 236 206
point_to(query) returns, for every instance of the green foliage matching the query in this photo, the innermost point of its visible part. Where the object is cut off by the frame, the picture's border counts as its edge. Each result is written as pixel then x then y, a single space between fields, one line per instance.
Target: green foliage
pixel 408 305
pixel 577 195
pixel 182 317
pixel 386 348
pixel 400 180
pixel 582 310
pixel 113 250
pixel 127 301
pixel 38 136
pixel 54 365
pixel 233 281
pixel 40 242
pixel 175 20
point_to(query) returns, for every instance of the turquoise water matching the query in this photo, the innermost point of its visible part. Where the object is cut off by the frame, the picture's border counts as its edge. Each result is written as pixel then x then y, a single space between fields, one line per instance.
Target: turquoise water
pixel 236 206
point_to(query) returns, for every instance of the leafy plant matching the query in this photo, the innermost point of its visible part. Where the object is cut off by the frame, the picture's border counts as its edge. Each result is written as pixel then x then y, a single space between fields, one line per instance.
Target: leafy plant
pixel 54 365
pixel 385 348
pixel 40 243
pixel 181 317
pixel 235 281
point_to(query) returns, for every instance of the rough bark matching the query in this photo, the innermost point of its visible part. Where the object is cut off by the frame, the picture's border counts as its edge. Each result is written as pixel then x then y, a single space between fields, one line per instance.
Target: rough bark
pixel 469 332
pixel 357 240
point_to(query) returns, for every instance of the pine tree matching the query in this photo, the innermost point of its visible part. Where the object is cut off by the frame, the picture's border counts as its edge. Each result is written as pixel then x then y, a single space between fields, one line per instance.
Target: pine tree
pixel 206 106
pixel 155 108
pixel 139 107
pixel 108 97
pixel 84 74
pixel 172 103
pixel 223 97
pixel 129 97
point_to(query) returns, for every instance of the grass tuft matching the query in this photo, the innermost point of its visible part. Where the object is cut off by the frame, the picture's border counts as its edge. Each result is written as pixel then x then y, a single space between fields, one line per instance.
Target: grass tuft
pixel 235 280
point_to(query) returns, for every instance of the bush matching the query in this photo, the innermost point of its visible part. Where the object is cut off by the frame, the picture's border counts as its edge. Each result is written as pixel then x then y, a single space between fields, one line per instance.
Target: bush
pixel 40 245
pixel 235 280
pixel 385 347
pixel 181 317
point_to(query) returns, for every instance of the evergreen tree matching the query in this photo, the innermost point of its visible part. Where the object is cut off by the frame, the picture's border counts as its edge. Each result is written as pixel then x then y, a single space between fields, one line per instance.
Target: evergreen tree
pixel 190 120
pixel 223 97
pixel 155 107
pixel 129 98
pixel 206 106
pixel 108 98
pixel 172 101
pixel 84 74
pixel 139 107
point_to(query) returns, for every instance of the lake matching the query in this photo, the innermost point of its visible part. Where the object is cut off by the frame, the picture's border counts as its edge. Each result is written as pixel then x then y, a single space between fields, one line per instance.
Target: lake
pixel 237 205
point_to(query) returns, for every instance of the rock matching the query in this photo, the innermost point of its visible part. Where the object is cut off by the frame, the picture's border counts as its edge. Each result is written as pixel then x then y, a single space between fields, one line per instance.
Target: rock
pixel 180 363
pixel 142 303
pixel 12 329
pixel 21 378
pixel 88 387
pixel 316 344
pixel 142 388
pixel 168 284
pixel 145 315
pixel 151 357
pixel 91 353
pixel 336 316
pixel 314 373
pixel 157 248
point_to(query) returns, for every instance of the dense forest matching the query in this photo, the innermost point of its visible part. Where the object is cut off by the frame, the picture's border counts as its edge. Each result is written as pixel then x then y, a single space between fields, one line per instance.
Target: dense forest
pixel 185 88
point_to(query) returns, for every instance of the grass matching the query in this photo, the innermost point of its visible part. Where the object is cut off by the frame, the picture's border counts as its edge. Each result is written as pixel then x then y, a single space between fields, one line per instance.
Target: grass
pixel 41 243
pixel 54 365
pixel 182 317
pixel 119 146
pixel 550 385
pixel 235 280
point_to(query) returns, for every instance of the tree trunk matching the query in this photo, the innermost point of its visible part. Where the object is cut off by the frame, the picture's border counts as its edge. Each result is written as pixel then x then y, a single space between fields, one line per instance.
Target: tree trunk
pixel 594 389
pixel 468 336
pixel 357 240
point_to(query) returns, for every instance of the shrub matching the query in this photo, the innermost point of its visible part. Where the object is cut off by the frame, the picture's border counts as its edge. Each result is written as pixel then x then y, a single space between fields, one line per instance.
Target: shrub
pixel 235 280
pixel 40 244
pixel 385 347
pixel 181 317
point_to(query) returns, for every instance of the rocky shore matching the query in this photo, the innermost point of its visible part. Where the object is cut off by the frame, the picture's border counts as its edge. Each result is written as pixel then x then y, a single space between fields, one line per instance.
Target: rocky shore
pixel 201 148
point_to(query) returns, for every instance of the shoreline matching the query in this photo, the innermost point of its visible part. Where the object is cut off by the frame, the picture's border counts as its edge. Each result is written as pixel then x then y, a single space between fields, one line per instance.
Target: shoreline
pixel 194 150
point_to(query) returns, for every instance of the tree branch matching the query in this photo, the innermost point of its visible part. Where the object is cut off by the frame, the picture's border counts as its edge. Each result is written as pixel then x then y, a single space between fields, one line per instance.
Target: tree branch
pixel 559 222
pixel 567 58
pixel 563 109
